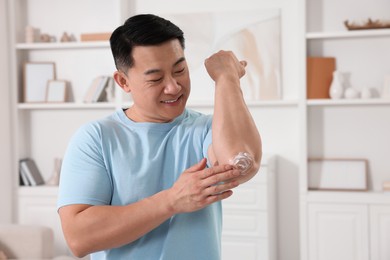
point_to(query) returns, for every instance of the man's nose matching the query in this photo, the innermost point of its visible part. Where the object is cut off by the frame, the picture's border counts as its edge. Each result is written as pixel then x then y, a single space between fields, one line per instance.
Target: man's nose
pixel 172 87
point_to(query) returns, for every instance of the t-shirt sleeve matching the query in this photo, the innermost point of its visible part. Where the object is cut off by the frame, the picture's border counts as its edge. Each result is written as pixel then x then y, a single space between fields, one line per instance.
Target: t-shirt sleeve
pixel 84 178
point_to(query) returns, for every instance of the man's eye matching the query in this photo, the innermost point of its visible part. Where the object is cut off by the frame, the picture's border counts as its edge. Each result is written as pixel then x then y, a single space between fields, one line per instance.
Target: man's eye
pixel 155 80
pixel 180 71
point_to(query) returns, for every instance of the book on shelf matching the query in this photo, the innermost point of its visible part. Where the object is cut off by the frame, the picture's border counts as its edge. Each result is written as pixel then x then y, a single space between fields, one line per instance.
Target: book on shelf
pixel 97 90
pixel 29 173
pixel 23 178
pixel 110 90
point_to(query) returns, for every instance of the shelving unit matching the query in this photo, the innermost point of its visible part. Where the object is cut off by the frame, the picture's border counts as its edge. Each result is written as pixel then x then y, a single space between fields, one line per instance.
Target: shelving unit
pixel 42 130
pixel 348 128
pixel 75 62
pixel 318 43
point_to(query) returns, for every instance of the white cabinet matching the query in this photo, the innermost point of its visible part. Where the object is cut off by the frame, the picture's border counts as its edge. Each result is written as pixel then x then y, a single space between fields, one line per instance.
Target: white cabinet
pixel 338 232
pixel 380 232
pixel 37 206
pixel 249 219
pixel 348 225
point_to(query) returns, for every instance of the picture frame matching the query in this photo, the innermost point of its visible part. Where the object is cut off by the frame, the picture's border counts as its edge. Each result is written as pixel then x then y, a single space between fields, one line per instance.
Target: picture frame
pixel 36 76
pixel 56 91
pixel 337 174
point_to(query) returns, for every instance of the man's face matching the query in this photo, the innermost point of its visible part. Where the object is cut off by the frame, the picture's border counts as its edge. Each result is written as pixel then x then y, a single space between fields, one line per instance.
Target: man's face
pixel 159 82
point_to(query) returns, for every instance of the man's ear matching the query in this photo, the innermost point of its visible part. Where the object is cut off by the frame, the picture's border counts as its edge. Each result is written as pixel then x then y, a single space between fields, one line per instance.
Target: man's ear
pixel 122 80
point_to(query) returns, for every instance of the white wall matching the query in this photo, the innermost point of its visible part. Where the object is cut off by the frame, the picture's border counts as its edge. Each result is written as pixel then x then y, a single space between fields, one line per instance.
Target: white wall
pixel 5 129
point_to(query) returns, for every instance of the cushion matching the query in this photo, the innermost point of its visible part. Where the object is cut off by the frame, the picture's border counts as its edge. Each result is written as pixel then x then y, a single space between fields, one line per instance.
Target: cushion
pixel 25 241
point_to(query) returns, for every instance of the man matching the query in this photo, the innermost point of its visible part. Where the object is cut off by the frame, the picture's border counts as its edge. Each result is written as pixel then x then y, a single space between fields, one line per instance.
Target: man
pixel 147 182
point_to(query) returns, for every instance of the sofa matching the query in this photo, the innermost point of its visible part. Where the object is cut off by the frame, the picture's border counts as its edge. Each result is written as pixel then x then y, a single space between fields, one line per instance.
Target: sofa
pixel 27 242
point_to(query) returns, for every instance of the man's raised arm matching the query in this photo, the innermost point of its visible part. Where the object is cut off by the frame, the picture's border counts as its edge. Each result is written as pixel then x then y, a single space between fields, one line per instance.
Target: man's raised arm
pixel 235 134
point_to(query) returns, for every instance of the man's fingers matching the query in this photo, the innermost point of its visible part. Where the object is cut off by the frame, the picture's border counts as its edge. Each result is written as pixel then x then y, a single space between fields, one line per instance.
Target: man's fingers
pixel 216 170
pixel 199 166
pixel 218 197
pixel 220 177
pixel 221 187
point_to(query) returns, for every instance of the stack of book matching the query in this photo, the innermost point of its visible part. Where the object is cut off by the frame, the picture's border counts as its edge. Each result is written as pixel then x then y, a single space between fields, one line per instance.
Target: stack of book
pixel 29 173
pixel 100 90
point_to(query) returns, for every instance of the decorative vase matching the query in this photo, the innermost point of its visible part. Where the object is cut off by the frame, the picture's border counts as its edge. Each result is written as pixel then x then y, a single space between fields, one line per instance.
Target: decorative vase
pixel 337 86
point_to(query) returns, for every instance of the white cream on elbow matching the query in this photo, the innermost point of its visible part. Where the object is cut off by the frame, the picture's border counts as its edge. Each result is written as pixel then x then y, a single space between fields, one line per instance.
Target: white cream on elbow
pixel 242 161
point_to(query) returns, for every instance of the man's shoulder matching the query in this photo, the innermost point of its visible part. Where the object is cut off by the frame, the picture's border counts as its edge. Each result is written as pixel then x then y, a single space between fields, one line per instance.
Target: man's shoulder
pixel 95 127
pixel 195 122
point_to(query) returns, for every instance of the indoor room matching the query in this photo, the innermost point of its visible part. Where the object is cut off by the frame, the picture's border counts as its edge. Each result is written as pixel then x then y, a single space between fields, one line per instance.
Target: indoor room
pixel 314 78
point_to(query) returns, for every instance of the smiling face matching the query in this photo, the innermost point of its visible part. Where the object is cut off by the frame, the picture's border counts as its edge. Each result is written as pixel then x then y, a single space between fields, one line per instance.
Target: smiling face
pixel 158 81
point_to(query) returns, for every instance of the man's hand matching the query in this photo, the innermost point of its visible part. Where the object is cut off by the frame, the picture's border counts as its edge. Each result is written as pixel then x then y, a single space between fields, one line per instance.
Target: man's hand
pixel 224 63
pixel 199 187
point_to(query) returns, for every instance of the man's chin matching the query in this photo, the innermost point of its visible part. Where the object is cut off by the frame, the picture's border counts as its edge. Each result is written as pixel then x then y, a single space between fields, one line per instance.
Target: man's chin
pixel 171 115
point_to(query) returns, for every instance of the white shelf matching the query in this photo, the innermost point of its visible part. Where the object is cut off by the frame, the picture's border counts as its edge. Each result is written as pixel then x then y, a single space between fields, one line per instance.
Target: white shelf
pixel 48 106
pixel 41 190
pixel 272 103
pixel 347 102
pixel 348 34
pixel 62 45
pixel 369 197
pixel 106 105
pixel 250 103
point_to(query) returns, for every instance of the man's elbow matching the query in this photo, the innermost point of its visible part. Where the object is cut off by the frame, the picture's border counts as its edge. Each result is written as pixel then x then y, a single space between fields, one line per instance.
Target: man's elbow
pixel 77 247
pixel 256 156
pixel 255 166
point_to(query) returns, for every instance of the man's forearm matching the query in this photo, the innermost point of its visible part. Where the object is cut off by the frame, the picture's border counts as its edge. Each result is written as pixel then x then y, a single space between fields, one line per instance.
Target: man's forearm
pixel 233 127
pixel 97 228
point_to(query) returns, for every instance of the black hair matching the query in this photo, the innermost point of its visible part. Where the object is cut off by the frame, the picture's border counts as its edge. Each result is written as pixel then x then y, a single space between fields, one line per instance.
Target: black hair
pixel 141 30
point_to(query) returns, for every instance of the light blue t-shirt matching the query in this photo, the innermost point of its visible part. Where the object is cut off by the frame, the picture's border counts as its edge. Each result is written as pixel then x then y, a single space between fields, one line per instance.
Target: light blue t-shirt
pixel 115 161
